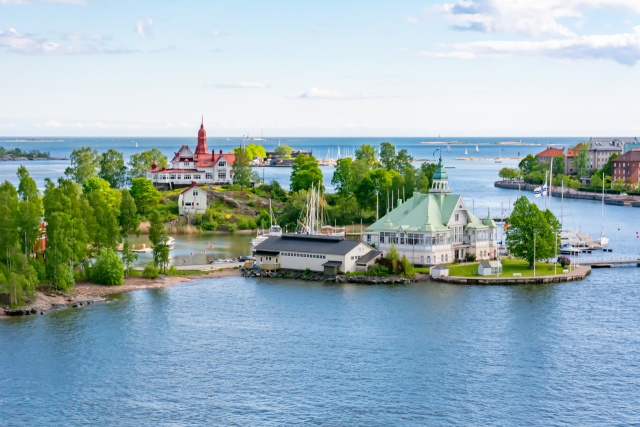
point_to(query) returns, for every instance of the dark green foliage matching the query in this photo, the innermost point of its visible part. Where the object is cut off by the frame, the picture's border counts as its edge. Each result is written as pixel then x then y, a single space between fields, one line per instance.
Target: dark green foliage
pixel 241 169
pixel 108 268
pixel 150 271
pixel 158 237
pixel 144 193
pixel 469 257
pixel 112 168
pixel 140 163
pixel 32 154
pixel 527 220
pixel 305 173
pixel 84 164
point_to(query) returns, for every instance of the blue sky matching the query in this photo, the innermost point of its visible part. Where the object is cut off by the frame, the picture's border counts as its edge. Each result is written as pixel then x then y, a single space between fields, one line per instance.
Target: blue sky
pixel 330 68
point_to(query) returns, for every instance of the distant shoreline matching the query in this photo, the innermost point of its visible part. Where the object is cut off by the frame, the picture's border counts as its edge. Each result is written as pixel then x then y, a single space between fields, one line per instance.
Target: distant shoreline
pixel 22 159
pixel 524 144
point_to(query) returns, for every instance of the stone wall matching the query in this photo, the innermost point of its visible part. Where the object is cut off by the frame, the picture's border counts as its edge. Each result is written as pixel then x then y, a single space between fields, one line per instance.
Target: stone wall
pixel 321 277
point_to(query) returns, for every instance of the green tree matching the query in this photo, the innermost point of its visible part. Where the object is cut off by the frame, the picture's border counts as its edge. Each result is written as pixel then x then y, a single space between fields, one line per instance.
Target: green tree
pixel 84 164
pixel 558 165
pixel 79 214
pixel 108 268
pixel 98 184
pixel 618 184
pixel 526 165
pixel 241 169
pixel 367 154
pixel 596 181
pixel 106 232
pixel 582 159
pixel 422 183
pixel 283 151
pixel 525 221
pixel 402 160
pixel 129 221
pixel 304 173
pixel 140 163
pixel 9 237
pixel 144 193
pixel 158 237
pixel 112 168
pixel 428 169
pixel 410 182
pixel 343 176
pixel 29 210
pixel 387 155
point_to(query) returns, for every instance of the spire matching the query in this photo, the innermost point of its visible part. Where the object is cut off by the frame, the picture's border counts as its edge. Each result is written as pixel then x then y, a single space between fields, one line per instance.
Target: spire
pixel 202 123
pixel 201 148
pixel 440 179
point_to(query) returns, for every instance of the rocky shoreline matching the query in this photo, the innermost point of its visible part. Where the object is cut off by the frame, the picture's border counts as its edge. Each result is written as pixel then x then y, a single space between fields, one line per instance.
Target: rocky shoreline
pixel 321 277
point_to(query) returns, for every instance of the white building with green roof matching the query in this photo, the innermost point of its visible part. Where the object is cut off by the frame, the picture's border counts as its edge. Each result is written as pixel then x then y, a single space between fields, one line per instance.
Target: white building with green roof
pixel 435 228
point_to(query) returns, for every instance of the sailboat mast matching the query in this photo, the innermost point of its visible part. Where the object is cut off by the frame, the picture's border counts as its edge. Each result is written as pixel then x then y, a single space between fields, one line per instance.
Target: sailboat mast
pixel 602 217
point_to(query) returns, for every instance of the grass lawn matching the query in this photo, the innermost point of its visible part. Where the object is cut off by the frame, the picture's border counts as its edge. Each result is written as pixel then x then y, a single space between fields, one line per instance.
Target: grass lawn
pixel 423 270
pixel 509 266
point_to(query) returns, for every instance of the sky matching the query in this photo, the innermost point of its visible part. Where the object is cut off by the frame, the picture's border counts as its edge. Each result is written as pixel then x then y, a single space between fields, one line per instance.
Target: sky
pixel 324 68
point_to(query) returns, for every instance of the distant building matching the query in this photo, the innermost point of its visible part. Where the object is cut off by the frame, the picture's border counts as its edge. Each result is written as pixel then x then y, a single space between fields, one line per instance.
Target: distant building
pixel 435 228
pixel 631 146
pixel 600 149
pixel 550 153
pixel 192 200
pixel 319 253
pixel 627 166
pixel 199 166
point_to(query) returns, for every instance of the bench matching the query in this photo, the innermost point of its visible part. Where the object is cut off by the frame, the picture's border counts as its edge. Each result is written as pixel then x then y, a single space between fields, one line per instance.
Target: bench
pixel 565 271
pixel 517 274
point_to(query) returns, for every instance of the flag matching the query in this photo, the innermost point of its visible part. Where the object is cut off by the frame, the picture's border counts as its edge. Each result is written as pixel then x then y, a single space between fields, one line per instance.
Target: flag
pixel 544 189
pixel 537 192
pixel 506 225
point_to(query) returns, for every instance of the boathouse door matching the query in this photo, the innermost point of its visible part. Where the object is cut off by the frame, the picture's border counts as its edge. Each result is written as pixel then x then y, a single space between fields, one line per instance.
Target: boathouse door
pixel 457 254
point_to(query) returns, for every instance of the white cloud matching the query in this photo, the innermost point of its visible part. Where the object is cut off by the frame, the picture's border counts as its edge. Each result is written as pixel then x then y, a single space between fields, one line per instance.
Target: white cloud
pixel 30 45
pixel 413 20
pixel 94 125
pixel 216 33
pixel 622 48
pixel 81 36
pixel 239 85
pixel 145 28
pixel 315 93
pixel 527 17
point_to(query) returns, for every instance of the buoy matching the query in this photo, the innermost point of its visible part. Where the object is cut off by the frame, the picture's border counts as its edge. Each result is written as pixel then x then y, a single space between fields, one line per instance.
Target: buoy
pixel 207 243
pixel 211 246
pixel 190 240
pixel 205 251
pixel 618 229
pixel 185 260
pixel 191 253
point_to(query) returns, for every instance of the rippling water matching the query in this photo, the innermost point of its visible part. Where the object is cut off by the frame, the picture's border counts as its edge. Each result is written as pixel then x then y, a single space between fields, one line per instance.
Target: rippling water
pixel 237 351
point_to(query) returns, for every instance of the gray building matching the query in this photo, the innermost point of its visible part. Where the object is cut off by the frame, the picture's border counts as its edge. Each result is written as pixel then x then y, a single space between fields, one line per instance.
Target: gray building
pixel 317 252
pixel 600 149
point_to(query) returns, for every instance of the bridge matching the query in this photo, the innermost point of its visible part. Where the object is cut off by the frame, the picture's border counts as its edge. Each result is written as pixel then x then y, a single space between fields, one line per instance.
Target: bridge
pixel 606 262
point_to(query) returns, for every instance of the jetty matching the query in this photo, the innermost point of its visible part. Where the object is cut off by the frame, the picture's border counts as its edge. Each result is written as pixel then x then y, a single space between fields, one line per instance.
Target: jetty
pixel 579 273
pixel 609 199
pixel 607 262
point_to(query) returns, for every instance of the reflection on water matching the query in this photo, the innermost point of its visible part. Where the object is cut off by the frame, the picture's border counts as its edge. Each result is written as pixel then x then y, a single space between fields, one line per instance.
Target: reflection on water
pixel 225 245
pixel 274 352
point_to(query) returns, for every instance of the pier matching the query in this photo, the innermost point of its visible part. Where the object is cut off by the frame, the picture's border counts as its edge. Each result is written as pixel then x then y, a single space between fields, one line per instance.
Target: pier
pixel 607 262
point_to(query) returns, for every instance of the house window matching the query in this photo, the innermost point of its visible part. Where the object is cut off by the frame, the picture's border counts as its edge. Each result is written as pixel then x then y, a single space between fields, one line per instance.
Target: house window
pixel 187 177
pixel 446 257
pixel 428 260
pixel 457 217
pixel 195 192
pixel 368 237
pixel 222 175
pixel 208 176
pixel 441 258
pixel 186 163
pixel 172 176
pixel 422 260
pixel 179 176
pixel 196 176
pixel 222 163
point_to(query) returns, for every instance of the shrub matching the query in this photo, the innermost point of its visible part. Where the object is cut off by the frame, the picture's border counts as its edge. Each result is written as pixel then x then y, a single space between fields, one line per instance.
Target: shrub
pixel 307 273
pixel 407 267
pixel 377 270
pixel 233 228
pixel 563 260
pixel 150 271
pixel 172 270
pixel 469 257
pixel 243 223
pixel 108 268
pixel 40 269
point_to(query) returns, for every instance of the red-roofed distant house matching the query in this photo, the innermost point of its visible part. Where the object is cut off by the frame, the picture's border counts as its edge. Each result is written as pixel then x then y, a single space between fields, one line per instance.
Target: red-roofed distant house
pixel 199 166
pixel 192 200
pixel 568 154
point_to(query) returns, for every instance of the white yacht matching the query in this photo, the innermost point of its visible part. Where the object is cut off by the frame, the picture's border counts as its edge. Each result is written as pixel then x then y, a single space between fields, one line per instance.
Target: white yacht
pixel 274 230
pixel 477 149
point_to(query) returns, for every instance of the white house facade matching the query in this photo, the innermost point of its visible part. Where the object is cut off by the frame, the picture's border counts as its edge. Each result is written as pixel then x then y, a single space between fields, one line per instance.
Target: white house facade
pixel 313 252
pixel 199 166
pixel 435 228
pixel 192 200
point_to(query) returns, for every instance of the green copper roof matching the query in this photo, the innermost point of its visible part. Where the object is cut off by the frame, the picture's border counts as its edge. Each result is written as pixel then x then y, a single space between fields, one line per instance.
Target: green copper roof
pixel 440 173
pixel 488 221
pixel 424 213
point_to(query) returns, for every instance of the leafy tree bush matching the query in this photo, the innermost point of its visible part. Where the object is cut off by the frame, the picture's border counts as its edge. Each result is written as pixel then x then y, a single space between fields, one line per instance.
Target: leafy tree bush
pixel 108 268
pixel 150 271
pixel 377 270
pixel 469 257
pixel 563 260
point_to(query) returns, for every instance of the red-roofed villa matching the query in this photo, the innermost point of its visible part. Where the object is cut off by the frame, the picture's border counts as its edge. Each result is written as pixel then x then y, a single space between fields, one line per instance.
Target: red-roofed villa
pixel 199 167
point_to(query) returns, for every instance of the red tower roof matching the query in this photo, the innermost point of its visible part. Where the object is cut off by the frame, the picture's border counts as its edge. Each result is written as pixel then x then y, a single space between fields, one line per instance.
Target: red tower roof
pixel 201 148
